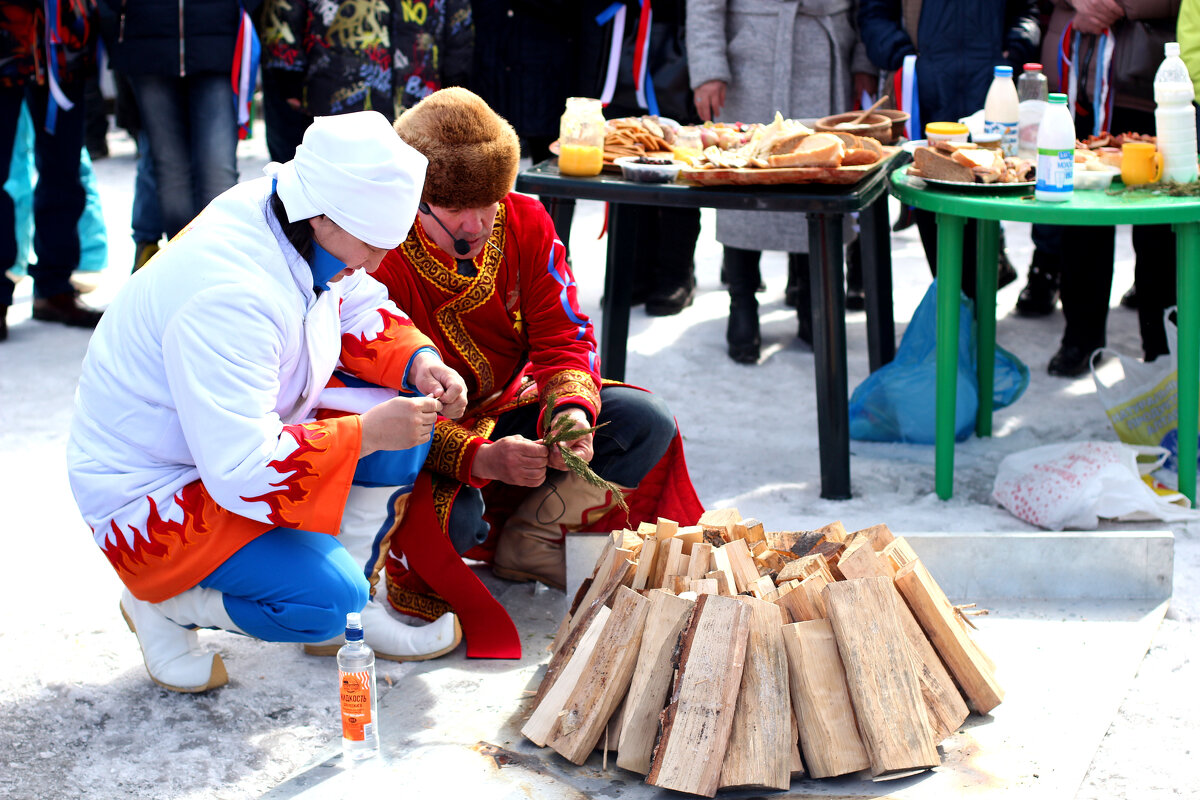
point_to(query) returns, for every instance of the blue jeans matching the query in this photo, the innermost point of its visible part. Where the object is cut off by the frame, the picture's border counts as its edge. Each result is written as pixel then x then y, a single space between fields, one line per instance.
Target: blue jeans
pixel 58 199
pixel 639 431
pixel 291 586
pixel 146 218
pixel 192 128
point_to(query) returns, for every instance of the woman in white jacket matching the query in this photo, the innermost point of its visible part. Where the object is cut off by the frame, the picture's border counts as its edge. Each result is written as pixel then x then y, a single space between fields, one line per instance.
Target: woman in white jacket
pixel 194 453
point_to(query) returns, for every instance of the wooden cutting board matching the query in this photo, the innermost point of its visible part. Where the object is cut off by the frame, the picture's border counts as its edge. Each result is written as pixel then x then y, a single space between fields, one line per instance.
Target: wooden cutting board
pixel 753 176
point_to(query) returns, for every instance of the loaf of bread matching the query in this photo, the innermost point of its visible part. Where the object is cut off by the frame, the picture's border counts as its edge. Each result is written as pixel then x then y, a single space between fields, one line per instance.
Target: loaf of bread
pixel 937 166
pixel 816 150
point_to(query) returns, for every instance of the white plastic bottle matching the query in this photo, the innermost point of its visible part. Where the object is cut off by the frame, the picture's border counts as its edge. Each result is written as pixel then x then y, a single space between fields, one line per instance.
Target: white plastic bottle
pixel 1001 110
pixel 1056 153
pixel 1174 117
pixel 360 709
pixel 1032 91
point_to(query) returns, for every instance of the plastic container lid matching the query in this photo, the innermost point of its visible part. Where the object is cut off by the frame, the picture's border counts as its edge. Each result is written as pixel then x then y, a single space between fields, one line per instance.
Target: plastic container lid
pixel 946 128
pixel 1032 67
pixel 1003 72
pixel 1057 97
pixel 1171 49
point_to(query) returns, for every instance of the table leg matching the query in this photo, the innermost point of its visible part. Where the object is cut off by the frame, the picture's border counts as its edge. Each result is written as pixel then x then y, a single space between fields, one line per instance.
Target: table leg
pixel 877 282
pixel 949 288
pixel 1187 271
pixel 618 291
pixel 826 268
pixel 562 211
pixel 986 253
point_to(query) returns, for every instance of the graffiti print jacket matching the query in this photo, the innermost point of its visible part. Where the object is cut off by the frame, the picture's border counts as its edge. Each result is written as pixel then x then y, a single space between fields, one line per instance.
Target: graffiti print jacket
pixel 338 56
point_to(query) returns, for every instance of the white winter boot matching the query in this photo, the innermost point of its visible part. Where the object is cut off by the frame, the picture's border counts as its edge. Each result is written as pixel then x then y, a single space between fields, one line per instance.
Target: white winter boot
pixel 370 517
pixel 172 651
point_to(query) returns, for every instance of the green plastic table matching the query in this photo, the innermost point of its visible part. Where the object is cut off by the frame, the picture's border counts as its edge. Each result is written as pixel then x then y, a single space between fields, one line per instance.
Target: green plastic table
pixel 954 207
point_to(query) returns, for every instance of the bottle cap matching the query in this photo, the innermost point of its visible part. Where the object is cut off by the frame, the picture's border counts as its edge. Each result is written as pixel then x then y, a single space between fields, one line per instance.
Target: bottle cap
pixel 1003 71
pixel 1057 97
pixel 1032 66
pixel 354 629
pixel 1171 49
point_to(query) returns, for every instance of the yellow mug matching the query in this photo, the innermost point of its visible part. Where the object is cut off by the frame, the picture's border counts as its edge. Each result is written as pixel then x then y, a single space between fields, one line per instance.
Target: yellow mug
pixel 1140 163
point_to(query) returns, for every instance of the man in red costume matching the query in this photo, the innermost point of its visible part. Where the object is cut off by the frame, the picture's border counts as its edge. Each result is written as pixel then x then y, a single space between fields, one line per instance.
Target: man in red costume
pixel 484 274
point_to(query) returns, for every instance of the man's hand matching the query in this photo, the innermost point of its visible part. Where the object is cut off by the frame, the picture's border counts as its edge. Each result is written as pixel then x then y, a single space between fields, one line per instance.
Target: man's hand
pixel 398 424
pixel 1093 16
pixel 710 99
pixel 514 460
pixel 581 447
pixel 433 378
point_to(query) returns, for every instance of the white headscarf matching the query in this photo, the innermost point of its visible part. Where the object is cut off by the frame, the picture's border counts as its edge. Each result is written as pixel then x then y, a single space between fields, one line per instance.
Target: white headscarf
pixel 356 170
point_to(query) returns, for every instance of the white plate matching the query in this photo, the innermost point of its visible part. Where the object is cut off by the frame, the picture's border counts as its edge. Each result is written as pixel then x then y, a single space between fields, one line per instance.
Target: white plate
pixel 911 147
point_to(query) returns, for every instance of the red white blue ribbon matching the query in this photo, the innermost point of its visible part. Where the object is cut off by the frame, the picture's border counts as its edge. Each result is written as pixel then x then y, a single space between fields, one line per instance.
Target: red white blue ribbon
pixel 246 54
pixel 615 12
pixel 641 60
pixel 1068 75
pixel 54 40
pixel 904 89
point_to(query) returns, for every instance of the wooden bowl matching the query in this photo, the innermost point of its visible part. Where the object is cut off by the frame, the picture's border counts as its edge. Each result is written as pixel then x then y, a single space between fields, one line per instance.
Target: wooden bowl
pixel 899 120
pixel 876 126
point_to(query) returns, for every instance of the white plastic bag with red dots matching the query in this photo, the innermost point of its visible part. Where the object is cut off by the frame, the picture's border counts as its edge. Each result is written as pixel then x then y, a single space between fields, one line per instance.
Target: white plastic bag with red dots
pixel 1075 484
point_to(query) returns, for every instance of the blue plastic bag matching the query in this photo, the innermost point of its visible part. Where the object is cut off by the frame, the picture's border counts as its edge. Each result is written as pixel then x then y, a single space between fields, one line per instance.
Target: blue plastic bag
pixel 897 402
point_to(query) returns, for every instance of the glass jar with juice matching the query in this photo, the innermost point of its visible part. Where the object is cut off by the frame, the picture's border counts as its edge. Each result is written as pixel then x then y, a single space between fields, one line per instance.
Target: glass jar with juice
pixel 581 138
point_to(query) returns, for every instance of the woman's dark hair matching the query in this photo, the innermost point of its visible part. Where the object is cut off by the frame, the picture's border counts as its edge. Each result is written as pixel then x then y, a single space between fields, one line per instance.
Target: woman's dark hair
pixel 299 234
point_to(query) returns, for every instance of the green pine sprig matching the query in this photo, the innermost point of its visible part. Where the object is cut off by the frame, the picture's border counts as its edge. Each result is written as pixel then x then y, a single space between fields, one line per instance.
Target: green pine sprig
pixel 560 434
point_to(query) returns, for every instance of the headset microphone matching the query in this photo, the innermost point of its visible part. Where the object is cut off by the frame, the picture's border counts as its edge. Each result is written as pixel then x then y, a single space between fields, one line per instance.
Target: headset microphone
pixel 461 246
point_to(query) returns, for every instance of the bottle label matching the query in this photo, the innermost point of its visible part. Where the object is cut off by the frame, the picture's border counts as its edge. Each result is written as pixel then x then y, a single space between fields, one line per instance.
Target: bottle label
pixel 356 706
pixel 1055 170
pixel 1008 134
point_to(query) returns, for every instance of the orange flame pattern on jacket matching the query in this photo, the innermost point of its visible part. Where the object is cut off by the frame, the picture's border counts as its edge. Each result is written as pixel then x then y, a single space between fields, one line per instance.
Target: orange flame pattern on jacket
pixel 365 348
pixel 162 535
pixel 299 471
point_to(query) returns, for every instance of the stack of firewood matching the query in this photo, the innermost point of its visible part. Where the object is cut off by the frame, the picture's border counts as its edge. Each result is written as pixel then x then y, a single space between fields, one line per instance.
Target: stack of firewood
pixel 681 649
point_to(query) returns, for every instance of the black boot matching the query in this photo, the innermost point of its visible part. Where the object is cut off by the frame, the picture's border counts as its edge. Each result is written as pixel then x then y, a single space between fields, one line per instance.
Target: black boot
pixel 1040 295
pixel 742 332
pixel 798 264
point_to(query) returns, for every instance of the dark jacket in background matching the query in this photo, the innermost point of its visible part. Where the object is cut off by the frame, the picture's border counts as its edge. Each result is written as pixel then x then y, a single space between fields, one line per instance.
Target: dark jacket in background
pixel 379 55
pixel 171 37
pixel 959 45
pixel 23 42
pixel 526 60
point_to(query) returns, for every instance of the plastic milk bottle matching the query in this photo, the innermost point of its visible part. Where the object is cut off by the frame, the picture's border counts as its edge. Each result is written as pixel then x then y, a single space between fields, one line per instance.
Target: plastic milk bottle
pixel 1001 110
pixel 1056 153
pixel 1031 92
pixel 1174 117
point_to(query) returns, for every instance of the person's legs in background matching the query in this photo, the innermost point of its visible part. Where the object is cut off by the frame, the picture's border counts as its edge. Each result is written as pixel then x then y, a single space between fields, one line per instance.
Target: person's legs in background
pixel 146 219
pixel 742 332
pixel 1085 286
pixel 212 118
pixel 165 122
pixel 672 236
pixel 798 271
pixel 10 111
pixel 285 125
pixel 1154 275
pixel 927 226
pixel 58 201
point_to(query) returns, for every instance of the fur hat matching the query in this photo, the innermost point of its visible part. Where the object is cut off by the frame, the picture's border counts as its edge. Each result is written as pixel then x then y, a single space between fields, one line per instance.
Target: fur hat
pixel 472 150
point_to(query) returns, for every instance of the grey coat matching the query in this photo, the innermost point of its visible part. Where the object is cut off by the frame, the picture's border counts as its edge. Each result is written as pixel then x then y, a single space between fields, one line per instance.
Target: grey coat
pixel 792 56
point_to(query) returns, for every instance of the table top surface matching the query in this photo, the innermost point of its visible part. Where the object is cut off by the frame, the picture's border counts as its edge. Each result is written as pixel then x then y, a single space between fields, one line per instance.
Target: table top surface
pixel 1084 207
pixel 544 179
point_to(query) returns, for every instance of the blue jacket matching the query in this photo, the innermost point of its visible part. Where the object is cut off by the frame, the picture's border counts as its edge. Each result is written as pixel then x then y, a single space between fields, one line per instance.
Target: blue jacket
pixel 960 44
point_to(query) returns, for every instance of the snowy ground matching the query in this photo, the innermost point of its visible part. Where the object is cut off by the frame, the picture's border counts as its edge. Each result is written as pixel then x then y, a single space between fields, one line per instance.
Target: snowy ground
pixel 78 717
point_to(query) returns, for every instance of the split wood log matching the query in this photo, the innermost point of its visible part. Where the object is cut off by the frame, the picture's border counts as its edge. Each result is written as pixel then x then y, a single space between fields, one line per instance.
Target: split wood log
pixel 651 679
pixel 879 672
pixel 665 528
pixel 705 586
pixel 831 552
pixel 691 536
pixel 546 710
pixel 610 739
pixel 668 562
pixel 698 719
pixel 701 560
pixel 613 563
pixel 722 579
pixel 787 540
pixel 645 567
pixel 833 532
pixel 942 701
pixel 679 583
pixel 802 567
pixel 604 681
pixel 821 700
pixel 646 529
pixel 957 649
pixel 621 575
pixel 717 537
pixel 797 761
pixel 745 572
pixel 899 552
pixel 755 532
pixel 722 563
pixel 763 587
pixel 879 535
pixel 761 743
pixel 769 561
pixel 719 517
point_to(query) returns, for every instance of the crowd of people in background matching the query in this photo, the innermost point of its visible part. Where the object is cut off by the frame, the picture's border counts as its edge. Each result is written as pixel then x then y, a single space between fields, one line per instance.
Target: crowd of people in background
pixel 184 71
